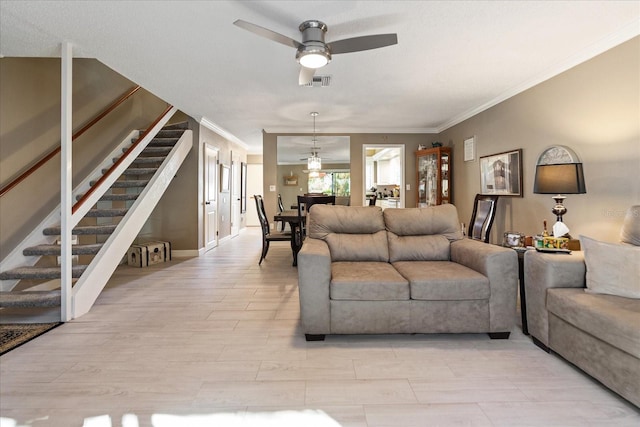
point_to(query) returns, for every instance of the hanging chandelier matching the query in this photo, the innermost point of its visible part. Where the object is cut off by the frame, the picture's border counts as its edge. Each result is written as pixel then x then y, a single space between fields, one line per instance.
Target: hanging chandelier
pixel 314 163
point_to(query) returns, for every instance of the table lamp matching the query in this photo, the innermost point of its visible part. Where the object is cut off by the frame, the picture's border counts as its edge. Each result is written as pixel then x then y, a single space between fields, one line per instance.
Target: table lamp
pixel 559 179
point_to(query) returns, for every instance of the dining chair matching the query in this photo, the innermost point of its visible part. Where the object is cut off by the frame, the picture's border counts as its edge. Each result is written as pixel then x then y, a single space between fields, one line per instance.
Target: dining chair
pixel 305 203
pixel 373 199
pixel 267 236
pixel 484 212
pixel 280 210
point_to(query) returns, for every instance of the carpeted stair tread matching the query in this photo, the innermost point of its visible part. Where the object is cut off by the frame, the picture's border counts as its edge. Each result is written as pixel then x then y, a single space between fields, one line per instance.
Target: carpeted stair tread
pixel 132 183
pixel 26 299
pixel 84 230
pixel 120 197
pixel 40 272
pixel 160 142
pixel 156 150
pixel 179 125
pixel 163 142
pixel 137 171
pixel 56 249
pixel 99 213
pixel 115 197
pixel 145 160
pixel 170 133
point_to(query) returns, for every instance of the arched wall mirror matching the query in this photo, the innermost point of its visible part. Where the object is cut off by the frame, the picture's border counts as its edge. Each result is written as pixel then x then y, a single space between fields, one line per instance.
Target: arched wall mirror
pixel 294 176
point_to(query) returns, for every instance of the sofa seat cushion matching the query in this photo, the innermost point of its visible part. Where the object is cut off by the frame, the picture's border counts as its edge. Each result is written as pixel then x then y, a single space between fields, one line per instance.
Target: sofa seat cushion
pixel 367 281
pixel 609 318
pixel 443 281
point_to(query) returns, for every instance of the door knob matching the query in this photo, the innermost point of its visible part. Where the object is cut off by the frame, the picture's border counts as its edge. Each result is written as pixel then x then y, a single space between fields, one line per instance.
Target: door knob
pixel 207 203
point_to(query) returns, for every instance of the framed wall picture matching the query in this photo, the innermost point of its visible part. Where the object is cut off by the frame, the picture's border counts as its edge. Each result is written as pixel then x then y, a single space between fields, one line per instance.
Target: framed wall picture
pixel 224 178
pixel 291 180
pixel 470 149
pixel 501 174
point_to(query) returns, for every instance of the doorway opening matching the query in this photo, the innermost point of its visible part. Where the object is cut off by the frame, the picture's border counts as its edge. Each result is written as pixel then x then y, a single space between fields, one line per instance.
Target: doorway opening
pixel 383 175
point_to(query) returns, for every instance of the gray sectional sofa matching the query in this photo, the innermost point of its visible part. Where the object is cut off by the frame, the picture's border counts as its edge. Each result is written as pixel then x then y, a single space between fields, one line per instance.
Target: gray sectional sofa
pixel 575 309
pixel 362 270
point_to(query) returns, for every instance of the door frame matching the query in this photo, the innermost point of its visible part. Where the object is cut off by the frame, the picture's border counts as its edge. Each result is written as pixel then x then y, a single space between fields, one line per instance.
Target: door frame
pixel 235 193
pixel 205 222
pixel 403 167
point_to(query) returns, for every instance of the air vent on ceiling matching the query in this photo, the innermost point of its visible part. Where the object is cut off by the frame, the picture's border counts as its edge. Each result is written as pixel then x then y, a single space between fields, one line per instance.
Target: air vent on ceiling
pixel 319 81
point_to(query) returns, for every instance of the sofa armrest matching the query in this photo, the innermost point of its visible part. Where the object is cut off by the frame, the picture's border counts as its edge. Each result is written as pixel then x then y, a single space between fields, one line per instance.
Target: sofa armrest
pixel 314 277
pixel 544 271
pixel 500 266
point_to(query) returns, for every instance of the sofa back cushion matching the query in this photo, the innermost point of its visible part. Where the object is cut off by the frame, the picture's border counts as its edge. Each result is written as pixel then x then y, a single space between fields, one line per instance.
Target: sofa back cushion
pixel 353 233
pixel 418 248
pixel 422 234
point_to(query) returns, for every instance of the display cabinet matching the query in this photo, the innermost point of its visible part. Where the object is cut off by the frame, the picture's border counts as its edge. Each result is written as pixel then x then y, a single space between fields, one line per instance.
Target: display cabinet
pixel 433 170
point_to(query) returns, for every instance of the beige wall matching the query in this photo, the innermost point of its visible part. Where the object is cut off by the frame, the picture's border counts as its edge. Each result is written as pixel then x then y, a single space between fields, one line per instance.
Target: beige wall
pixel 226 148
pixel 178 217
pixel 30 128
pixel 272 176
pixel 592 108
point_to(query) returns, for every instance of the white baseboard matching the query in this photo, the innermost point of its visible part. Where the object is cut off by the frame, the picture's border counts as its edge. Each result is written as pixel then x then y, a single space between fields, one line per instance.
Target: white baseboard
pixel 186 253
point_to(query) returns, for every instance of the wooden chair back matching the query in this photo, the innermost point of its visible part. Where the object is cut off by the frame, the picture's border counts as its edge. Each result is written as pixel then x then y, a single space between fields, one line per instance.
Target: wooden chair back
pixel 484 212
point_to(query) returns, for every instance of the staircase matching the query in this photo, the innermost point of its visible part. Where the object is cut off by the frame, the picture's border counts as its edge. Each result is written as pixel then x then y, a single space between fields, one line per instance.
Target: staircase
pixel 96 231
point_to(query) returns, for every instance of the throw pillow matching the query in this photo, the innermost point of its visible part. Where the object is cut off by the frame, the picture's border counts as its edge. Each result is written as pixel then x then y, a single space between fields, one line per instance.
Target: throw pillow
pixel 630 232
pixel 612 268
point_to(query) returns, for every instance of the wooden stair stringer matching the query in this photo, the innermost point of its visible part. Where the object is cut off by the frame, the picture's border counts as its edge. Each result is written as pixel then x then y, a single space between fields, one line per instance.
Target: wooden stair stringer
pixel 88 287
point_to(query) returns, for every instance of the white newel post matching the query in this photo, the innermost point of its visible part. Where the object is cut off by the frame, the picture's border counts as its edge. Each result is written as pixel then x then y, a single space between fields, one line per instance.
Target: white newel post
pixel 66 182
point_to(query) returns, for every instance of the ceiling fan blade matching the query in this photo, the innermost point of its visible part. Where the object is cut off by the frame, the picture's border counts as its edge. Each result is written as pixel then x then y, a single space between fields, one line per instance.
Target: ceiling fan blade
pixel 266 33
pixel 357 44
pixel 306 75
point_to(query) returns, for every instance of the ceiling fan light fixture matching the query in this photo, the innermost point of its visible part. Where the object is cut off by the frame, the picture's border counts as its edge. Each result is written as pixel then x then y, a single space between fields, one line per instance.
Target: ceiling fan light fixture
pixel 314 163
pixel 313 56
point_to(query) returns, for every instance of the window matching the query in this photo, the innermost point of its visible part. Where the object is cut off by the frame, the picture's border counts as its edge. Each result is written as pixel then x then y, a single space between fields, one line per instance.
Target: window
pixel 331 182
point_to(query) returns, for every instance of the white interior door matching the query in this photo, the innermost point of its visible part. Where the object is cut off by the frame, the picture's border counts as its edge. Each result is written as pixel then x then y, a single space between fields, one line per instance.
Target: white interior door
pixel 254 186
pixel 210 197
pixel 235 194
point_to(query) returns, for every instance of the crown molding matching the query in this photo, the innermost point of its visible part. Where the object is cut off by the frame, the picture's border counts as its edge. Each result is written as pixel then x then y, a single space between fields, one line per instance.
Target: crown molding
pixel 627 32
pixel 223 132
pixel 348 130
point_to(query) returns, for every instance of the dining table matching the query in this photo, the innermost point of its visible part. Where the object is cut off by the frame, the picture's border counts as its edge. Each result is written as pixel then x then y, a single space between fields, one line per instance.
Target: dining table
pixel 295 223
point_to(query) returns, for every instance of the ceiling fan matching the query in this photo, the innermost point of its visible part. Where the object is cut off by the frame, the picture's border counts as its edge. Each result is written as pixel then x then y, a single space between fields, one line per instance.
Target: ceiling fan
pixel 313 52
pixel 314 151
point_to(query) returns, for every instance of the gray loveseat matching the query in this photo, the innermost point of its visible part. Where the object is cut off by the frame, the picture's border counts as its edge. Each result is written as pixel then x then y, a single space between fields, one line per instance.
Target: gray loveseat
pixel 362 270
pixel 572 308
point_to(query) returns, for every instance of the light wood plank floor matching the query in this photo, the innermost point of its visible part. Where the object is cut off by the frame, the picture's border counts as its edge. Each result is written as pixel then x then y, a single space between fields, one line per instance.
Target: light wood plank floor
pixel 216 341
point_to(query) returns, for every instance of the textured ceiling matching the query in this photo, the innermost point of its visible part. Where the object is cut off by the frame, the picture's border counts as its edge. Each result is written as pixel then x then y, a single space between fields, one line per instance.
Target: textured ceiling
pixel 453 58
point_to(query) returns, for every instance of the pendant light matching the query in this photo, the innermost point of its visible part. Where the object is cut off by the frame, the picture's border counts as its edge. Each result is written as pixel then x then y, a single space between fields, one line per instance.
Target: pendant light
pixel 314 163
